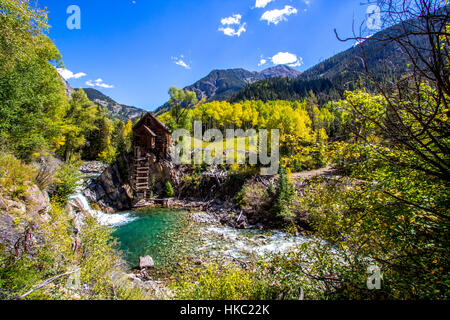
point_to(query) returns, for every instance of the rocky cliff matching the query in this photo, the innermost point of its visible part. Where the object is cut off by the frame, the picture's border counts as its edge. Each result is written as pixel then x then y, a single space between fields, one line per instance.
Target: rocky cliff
pixel 112 190
pixel 19 218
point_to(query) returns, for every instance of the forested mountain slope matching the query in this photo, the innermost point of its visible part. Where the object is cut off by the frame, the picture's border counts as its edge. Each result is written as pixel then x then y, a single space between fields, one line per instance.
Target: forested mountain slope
pixel 345 71
pixel 221 85
pixel 115 110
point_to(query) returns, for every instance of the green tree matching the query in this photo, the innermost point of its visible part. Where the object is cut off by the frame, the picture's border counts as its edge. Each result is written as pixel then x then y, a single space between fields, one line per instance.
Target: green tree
pixel 168 190
pixel 181 101
pixel 284 197
pixel 32 100
pixel 121 136
pixel 79 120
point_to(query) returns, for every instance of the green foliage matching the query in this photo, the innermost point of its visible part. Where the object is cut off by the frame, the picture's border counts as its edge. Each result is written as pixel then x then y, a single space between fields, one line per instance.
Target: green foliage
pixel 392 211
pixel 45 248
pixel 15 176
pixel 286 89
pixel 240 197
pixel 109 139
pixel 109 155
pixel 33 97
pixel 36 116
pixel 237 178
pixel 168 190
pixel 302 139
pixel 79 119
pixel 122 136
pixel 20 24
pixel 67 180
pixel 180 101
pixel 271 190
pixel 56 254
pixel 284 198
pixel 223 283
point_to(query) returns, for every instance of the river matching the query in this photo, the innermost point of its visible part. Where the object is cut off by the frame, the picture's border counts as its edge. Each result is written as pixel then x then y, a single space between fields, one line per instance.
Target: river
pixel 171 237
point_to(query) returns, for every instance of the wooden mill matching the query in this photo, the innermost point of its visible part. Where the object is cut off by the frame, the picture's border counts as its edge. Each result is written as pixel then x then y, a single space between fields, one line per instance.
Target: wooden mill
pixel 151 141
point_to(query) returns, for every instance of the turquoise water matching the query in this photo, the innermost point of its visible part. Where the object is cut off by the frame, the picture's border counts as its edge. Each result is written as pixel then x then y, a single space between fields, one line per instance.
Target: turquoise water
pixel 172 239
pixel 165 235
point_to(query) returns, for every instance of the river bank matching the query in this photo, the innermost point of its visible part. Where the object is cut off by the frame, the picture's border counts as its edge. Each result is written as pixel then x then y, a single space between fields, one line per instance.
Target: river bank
pixel 185 233
pixel 178 239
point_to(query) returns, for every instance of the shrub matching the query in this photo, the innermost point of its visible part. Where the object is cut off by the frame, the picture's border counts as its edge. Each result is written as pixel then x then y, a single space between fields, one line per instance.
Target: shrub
pixel 108 156
pixel 56 254
pixel 227 282
pixel 168 190
pixel 68 179
pixel 15 176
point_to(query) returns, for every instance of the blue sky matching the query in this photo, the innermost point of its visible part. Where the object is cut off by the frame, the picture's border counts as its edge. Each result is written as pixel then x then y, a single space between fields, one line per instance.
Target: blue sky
pixel 135 50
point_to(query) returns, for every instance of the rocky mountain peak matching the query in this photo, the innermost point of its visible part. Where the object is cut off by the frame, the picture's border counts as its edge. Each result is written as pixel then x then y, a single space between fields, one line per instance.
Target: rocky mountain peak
pixel 280 71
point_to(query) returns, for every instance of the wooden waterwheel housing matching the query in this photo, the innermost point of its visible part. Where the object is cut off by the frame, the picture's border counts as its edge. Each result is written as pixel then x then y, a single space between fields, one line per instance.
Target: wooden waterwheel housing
pixel 151 138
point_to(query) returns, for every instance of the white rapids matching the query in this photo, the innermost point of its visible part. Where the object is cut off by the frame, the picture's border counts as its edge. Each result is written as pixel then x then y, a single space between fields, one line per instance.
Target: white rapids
pixel 240 243
pixel 80 202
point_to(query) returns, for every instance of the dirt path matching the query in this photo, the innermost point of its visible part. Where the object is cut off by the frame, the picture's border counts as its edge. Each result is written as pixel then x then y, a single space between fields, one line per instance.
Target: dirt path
pixel 306 175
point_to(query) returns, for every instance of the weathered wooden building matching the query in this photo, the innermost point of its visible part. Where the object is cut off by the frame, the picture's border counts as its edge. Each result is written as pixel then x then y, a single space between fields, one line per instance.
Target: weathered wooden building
pixel 151 136
pixel 151 142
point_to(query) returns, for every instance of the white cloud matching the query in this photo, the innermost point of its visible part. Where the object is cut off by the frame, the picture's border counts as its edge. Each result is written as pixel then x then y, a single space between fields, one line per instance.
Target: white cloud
pixel 234 19
pixel 232 26
pixel 67 74
pixel 180 62
pixel 276 16
pixel 262 3
pixel 99 83
pixel 232 31
pixel 262 62
pixel 287 58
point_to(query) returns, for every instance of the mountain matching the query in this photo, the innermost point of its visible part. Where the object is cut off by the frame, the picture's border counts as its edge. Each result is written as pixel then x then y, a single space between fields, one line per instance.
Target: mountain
pixel 115 110
pixel 221 85
pixel 384 57
pixel 386 61
pixel 287 89
pixel 280 71
pixel 328 79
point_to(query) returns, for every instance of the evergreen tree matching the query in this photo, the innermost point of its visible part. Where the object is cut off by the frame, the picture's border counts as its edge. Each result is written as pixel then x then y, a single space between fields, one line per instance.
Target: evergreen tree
pixel 168 190
pixel 284 197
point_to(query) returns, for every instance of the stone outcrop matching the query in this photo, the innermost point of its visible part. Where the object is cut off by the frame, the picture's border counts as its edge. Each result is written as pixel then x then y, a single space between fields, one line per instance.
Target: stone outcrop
pixel 93 167
pixel 19 216
pixel 112 191
pixel 38 202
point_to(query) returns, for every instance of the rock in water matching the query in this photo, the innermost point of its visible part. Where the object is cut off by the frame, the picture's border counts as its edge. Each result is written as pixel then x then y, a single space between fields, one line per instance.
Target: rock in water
pixel 146 262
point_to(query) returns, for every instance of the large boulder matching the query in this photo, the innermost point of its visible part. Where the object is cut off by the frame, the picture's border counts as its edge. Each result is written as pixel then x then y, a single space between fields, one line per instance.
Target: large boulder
pixel 9 232
pixel 38 202
pixel 16 207
pixel 146 262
